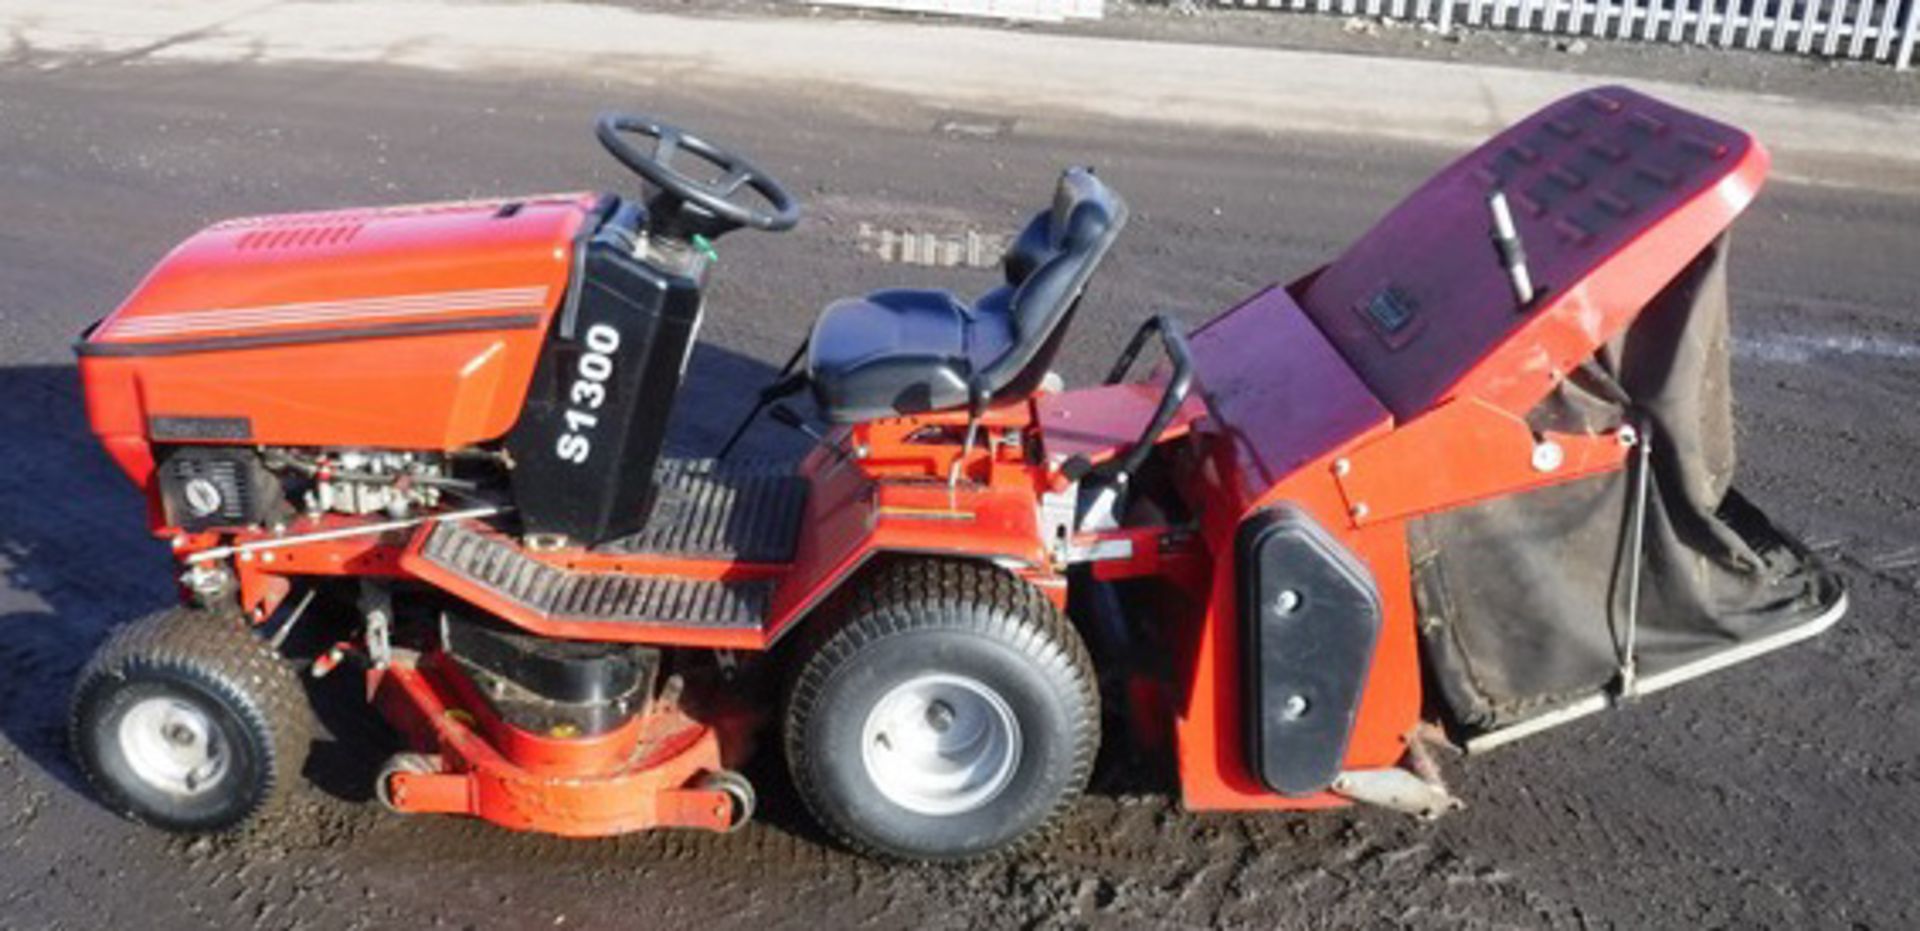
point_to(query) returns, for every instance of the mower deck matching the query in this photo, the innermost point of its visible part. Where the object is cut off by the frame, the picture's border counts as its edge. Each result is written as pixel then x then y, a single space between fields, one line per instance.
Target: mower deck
pixel 644 775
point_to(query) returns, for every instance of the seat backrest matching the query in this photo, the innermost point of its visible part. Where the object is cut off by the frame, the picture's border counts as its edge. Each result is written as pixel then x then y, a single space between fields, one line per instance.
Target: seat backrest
pixel 1048 267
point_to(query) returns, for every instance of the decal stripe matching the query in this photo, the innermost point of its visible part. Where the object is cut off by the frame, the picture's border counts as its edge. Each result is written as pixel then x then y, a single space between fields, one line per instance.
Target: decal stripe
pixel 406 305
pixel 501 299
pixel 328 308
pixel 509 295
pixel 306 337
pixel 137 328
pixel 279 322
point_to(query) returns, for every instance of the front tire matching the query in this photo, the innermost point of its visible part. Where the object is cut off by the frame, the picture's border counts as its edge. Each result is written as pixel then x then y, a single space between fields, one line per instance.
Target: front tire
pixel 952 713
pixel 187 721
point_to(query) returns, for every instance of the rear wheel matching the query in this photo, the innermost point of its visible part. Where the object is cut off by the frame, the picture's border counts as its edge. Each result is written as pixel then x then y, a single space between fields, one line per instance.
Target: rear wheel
pixel 951 713
pixel 187 721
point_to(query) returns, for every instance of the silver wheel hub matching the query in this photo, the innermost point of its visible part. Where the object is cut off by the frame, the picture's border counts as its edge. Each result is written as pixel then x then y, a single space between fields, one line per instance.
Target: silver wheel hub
pixel 941 744
pixel 173 746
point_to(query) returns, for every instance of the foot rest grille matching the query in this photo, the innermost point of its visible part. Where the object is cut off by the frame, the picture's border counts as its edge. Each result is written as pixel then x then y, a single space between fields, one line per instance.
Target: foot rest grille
pixel 509 573
pixel 742 511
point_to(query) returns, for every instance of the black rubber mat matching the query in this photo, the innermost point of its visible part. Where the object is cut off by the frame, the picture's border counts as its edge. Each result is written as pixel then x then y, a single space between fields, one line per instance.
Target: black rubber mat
pixel 748 511
pixel 509 572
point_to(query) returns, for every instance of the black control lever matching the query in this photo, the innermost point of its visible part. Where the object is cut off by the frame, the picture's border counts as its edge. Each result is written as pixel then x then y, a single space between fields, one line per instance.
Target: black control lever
pixel 788 417
pixel 784 384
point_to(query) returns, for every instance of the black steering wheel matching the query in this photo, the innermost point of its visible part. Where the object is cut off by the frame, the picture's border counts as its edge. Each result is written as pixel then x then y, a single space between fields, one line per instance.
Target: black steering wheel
pixel 719 204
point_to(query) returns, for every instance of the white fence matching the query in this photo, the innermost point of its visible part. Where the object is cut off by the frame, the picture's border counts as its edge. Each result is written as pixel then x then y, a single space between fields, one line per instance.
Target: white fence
pixel 1876 30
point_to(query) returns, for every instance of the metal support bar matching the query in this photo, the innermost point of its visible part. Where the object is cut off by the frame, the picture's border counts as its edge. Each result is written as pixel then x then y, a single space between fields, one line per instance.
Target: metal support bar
pixel 293 619
pixel 1634 556
pixel 341 533
pixel 1658 681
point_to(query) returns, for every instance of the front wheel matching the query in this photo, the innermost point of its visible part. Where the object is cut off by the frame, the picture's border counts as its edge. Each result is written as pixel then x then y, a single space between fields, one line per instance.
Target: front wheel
pixel 187 721
pixel 952 713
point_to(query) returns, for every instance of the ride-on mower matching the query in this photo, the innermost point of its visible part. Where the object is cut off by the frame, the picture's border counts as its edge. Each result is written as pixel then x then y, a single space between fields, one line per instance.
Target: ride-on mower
pixel 1468 481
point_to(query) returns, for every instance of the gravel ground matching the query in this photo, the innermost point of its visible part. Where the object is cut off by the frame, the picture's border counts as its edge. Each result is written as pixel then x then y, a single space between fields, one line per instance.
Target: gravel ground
pixel 1782 794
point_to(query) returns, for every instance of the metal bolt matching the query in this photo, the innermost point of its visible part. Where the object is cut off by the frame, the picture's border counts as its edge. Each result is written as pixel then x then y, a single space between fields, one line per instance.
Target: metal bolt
pixel 1295 707
pixel 1341 467
pixel 1360 511
pixel 1288 602
pixel 1548 456
pixel 939 716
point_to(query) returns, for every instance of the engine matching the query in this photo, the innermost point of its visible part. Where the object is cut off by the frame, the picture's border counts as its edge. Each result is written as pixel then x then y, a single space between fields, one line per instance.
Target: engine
pixel 356 481
pixel 203 487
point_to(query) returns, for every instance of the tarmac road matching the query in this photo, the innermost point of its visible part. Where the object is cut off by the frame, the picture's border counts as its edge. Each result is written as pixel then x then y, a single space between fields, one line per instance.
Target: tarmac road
pixel 1785 793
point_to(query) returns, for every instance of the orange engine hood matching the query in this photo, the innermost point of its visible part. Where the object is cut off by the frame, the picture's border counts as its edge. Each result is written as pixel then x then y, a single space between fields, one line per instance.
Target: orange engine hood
pixel 411 327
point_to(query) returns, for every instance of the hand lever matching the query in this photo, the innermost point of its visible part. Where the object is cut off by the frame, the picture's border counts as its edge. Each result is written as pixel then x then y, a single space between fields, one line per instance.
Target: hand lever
pixel 1513 255
pixel 788 417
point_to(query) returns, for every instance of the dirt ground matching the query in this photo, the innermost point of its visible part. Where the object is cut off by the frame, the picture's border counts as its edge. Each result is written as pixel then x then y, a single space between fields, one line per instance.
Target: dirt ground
pixel 1781 794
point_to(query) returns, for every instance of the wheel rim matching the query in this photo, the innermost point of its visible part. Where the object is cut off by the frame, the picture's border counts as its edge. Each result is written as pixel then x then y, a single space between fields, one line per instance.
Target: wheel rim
pixel 941 744
pixel 174 746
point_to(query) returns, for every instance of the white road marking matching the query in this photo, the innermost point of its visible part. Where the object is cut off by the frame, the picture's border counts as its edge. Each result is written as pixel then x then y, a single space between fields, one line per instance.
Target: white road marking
pixel 1798 348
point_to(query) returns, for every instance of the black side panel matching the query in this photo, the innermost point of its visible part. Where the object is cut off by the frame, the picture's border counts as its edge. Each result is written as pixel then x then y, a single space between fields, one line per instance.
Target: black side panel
pixel 596 413
pixel 1310 613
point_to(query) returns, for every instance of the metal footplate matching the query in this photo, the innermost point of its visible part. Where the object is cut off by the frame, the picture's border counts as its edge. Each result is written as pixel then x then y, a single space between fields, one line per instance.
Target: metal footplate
pixel 740 511
pixel 499 568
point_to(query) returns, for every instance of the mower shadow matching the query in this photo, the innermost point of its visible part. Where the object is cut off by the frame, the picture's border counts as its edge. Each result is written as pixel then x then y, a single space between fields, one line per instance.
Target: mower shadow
pixel 76 561
pixel 75 557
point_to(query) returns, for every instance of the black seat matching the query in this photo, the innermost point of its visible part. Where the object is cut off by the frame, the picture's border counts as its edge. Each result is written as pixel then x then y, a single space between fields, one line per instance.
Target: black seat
pixel 908 351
